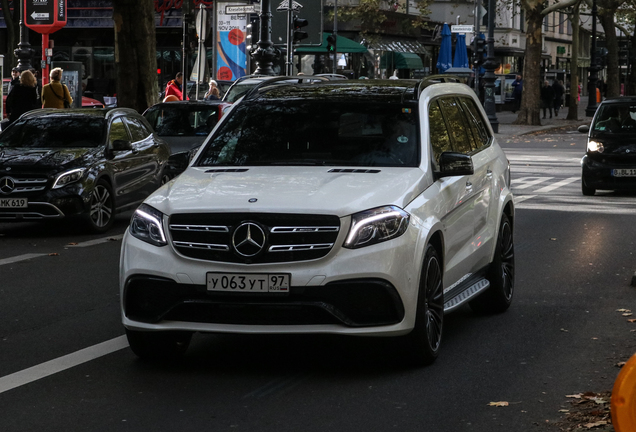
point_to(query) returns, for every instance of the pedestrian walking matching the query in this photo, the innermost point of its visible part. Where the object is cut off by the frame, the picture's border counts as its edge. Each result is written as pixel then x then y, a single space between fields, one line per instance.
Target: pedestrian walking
pixel 15 79
pixel 23 97
pixel 55 94
pixel 517 91
pixel 175 86
pixel 547 98
pixel 213 92
pixel 559 91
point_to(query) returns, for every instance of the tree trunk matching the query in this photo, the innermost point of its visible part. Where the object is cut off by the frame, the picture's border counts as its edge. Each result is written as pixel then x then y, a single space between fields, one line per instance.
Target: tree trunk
pixel 573 102
pixel 135 53
pixel 606 17
pixel 529 112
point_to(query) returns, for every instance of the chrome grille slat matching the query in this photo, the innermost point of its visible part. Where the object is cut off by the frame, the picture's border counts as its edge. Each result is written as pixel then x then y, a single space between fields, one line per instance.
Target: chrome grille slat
pixel 205 246
pixel 302 229
pixel 26 184
pixel 204 228
pixel 305 247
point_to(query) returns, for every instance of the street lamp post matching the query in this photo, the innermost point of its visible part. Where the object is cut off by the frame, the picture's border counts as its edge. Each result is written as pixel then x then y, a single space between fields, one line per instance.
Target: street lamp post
pixel 24 52
pixel 266 53
pixel 490 66
pixel 593 69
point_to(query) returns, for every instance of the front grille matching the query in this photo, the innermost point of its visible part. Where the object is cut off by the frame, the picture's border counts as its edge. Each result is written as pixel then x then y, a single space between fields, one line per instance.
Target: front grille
pixel 24 184
pixel 287 237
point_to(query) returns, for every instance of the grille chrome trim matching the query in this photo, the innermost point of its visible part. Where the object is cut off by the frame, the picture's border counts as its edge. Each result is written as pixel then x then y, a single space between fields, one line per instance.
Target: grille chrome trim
pixel 301 229
pixel 203 228
pixel 294 248
pixel 205 246
pixel 25 184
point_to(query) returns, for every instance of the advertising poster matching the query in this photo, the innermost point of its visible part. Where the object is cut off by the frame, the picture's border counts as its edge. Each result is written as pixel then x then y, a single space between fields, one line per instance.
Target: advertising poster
pixel 230 36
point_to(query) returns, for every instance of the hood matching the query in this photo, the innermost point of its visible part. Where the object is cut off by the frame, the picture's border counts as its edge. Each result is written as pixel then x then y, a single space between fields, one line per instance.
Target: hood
pixel 44 159
pixel 313 190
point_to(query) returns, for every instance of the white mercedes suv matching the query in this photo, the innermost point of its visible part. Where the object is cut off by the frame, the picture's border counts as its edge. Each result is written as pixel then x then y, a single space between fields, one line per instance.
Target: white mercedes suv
pixel 347 207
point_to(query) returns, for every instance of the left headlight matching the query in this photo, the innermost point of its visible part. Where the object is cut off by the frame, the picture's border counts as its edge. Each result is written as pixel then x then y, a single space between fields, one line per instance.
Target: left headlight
pixel 595 146
pixel 68 177
pixel 376 226
pixel 146 225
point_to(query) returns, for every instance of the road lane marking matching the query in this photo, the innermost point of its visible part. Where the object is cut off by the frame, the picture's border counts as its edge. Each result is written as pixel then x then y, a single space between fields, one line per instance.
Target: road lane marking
pixel 526 182
pixel 557 185
pixel 521 198
pixel 97 241
pixel 60 364
pixel 15 259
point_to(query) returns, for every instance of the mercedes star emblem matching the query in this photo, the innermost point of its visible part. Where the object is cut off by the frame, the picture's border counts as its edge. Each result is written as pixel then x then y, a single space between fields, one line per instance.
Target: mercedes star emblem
pixel 7 184
pixel 248 239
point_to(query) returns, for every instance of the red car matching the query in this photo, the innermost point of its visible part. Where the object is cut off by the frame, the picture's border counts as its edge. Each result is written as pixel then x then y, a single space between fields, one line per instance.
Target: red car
pixel 86 102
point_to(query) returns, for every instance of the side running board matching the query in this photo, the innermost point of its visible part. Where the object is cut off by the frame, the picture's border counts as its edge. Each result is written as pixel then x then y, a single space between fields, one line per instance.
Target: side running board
pixel 465 295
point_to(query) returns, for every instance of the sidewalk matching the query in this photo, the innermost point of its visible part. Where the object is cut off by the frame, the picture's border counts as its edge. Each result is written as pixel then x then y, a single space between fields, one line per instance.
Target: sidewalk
pixel 507 129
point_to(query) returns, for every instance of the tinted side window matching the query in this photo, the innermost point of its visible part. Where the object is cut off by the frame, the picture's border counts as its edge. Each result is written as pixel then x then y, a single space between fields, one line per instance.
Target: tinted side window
pixel 137 129
pixel 118 131
pixel 440 141
pixel 479 129
pixel 456 125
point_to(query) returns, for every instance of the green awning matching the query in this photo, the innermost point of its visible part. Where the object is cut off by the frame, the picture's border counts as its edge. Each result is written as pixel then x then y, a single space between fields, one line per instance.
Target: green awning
pixel 401 60
pixel 345 45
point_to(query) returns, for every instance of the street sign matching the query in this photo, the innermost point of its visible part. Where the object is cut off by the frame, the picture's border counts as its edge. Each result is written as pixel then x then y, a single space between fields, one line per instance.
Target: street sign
pixel 45 16
pixel 202 23
pixel 241 10
pixel 462 29
pixel 311 10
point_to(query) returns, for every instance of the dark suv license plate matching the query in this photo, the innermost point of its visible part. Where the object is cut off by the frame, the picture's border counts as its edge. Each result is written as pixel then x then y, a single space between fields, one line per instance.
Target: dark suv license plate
pixel 14 203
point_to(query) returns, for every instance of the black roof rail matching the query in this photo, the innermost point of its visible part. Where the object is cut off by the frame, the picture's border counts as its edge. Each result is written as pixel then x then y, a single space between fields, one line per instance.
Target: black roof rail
pixel 296 79
pixel 437 79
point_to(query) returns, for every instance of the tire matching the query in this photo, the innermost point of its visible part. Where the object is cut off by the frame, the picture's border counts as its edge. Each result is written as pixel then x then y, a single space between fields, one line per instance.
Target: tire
pixel 158 345
pixel 425 339
pixel 501 274
pixel 101 215
pixel 587 191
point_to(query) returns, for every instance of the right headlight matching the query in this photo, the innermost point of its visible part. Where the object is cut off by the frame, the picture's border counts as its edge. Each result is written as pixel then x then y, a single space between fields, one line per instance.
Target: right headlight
pixel 595 146
pixel 146 225
pixel 376 226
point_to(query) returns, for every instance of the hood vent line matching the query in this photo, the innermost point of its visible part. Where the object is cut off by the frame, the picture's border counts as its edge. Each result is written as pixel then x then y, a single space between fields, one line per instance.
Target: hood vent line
pixel 355 171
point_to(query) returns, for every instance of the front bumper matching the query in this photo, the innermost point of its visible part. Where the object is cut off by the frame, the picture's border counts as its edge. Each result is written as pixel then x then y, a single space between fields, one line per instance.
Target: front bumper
pixel 52 204
pixel 597 174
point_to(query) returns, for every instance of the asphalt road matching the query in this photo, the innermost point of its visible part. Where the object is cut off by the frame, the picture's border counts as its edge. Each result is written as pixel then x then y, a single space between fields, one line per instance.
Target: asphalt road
pixel 59 322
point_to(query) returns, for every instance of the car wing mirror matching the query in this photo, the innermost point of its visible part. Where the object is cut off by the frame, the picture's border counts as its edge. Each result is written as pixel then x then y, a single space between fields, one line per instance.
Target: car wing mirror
pixel 584 129
pixel 455 164
pixel 121 145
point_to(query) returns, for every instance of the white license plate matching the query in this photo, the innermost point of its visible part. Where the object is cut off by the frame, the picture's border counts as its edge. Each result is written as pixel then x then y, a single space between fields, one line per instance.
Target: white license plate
pixel 248 282
pixel 624 172
pixel 14 202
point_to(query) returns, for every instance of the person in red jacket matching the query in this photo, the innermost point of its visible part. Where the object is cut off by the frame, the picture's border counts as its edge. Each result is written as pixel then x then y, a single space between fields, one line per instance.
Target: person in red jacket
pixel 174 87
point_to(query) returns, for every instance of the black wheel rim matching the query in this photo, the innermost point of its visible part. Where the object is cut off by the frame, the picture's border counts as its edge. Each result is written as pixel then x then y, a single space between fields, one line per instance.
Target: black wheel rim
pixel 101 208
pixel 434 303
pixel 507 259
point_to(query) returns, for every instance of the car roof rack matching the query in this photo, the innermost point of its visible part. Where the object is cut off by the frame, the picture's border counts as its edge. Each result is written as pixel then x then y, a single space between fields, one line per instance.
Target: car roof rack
pixel 300 79
pixel 437 79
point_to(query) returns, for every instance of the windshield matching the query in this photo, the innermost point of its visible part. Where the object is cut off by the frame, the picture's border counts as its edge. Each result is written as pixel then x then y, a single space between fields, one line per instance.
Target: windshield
pixel 55 132
pixel 183 120
pixel 615 118
pixel 311 132
pixel 237 91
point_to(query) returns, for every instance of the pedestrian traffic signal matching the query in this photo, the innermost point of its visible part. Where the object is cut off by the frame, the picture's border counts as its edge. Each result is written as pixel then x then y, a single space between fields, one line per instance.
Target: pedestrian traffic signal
pixel 331 43
pixel 481 46
pixel 298 34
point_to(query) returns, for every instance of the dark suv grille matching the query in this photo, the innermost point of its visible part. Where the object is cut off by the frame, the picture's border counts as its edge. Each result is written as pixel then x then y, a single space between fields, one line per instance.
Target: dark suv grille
pixel 24 184
pixel 287 237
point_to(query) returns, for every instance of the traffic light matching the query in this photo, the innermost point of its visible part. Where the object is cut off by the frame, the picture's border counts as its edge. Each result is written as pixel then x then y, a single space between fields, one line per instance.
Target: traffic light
pixel 298 24
pixel 480 50
pixel 331 44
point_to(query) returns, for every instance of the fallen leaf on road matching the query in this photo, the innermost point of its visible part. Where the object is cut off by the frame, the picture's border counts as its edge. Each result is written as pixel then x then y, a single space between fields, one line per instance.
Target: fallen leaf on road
pixel 54 254
pixel 594 338
pixel 553 239
pixel 564 410
pixel 73 244
pixel 599 400
pixel 627 314
pixel 620 364
pixel 631 320
pixel 564 330
pixel 575 396
pixel 623 310
pixel 595 424
pixel 498 404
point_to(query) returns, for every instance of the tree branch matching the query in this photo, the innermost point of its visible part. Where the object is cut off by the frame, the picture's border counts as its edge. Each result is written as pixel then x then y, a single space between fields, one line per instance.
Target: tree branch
pixel 559 6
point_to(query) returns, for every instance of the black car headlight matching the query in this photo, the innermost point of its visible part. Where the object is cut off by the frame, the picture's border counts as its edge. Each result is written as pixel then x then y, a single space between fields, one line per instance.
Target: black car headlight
pixel 376 226
pixel 595 146
pixel 68 177
pixel 146 225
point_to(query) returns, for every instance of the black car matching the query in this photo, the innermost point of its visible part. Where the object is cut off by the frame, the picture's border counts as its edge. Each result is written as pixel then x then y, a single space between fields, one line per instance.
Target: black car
pixel 610 160
pixel 89 163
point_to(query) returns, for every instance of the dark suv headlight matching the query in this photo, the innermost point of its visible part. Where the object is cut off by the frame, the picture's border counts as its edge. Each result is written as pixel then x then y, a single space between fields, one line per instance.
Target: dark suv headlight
pixel 146 225
pixel 376 225
pixel 68 177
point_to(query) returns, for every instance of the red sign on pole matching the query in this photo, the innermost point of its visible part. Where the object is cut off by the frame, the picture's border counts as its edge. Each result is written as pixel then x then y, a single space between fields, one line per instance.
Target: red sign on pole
pixel 45 16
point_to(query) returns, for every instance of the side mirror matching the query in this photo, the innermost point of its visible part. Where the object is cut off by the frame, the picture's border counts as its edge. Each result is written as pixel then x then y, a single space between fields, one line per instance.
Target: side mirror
pixel 584 129
pixel 455 164
pixel 121 145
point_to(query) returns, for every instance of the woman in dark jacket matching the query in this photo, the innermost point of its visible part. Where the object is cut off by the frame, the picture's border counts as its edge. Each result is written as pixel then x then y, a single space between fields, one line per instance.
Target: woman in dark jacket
pixel 23 97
